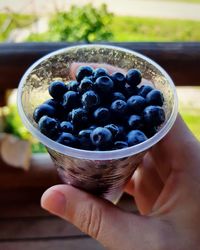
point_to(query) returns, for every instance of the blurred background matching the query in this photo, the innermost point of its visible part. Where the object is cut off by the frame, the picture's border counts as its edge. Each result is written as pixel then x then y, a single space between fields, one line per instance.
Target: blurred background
pixel 96 21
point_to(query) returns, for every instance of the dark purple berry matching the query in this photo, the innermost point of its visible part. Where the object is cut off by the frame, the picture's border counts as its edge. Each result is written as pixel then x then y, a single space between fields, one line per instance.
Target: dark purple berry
pixel 119 81
pixel 150 131
pixel 84 139
pixel 130 91
pixel 85 85
pixel 153 116
pixel 101 116
pixel 117 96
pixel 70 100
pixel 135 122
pixel 83 71
pixel 118 108
pixel 57 89
pixel 135 137
pixel 101 137
pixel 155 97
pixel 92 127
pixel 114 129
pixel 59 110
pixel 120 144
pixel 136 104
pixel 43 109
pixel 133 77
pixel 73 85
pixel 103 84
pixel 79 117
pixel 66 126
pixel 100 72
pixel 90 99
pixel 53 103
pixel 49 127
pixel 144 90
pixel 67 139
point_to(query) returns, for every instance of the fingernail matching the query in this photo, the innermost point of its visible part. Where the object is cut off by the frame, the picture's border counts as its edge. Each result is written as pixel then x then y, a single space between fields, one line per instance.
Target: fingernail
pixel 54 202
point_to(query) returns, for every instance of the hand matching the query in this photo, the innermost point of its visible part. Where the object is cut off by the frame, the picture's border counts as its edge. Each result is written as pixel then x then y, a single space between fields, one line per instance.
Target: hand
pixel 166 189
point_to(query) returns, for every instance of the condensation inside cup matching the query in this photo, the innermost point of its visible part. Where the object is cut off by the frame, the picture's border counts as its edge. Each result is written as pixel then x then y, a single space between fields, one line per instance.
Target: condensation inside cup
pixel 57 67
pixel 104 178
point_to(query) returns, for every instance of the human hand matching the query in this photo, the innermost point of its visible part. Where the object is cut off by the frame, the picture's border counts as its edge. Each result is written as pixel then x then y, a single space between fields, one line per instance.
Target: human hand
pixel 166 190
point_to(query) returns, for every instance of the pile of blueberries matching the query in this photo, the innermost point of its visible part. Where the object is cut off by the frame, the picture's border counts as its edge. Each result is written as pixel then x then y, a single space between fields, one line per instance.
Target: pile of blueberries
pixel 101 111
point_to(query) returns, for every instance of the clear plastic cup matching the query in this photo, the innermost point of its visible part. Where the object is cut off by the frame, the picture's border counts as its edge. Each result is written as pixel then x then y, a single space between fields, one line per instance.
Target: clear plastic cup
pixel 103 173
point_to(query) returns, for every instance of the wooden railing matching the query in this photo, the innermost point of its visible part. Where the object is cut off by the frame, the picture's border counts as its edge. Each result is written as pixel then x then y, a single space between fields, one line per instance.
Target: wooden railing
pixel 180 60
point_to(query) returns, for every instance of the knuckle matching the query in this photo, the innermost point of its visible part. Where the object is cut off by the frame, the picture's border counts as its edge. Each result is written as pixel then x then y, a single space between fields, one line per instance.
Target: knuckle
pixel 90 220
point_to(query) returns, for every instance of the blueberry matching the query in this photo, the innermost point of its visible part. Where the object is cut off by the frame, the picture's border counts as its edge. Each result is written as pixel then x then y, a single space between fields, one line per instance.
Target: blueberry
pixel 92 127
pixel 155 97
pixel 136 104
pixel 104 84
pixel 49 126
pixel 90 99
pixel 84 139
pixel 53 103
pixel 57 89
pixel 69 116
pixel 119 80
pixel 153 116
pixel 135 137
pixel 150 131
pixel 85 85
pixel 130 91
pixel 114 129
pixel 118 108
pixel 67 139
pixel 102 116
pixel 120 144
pixel 133 77
pixel 59 110
pixel 83 71
pixel 79 117
pixel 66 127
pixel 122 133
pixel 117 96
pixel 144 90
pixel 91 78
pixel 43 109
pixel 135 122
pixel 101 137
pixel 100 72
pixel 70 100
pixel 73 86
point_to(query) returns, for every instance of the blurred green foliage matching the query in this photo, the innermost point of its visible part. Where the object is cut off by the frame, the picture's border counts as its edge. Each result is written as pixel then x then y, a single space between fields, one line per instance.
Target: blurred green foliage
pixel 192 119
pixel 123 29
pixel 14 125
pixel 130 29
pixel 85 23
pixel 89 24
pixel 10 21
pixel 185 1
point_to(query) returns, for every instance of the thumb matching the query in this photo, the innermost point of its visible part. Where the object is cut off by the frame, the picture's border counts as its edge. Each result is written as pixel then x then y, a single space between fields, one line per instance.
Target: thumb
pixel 112 227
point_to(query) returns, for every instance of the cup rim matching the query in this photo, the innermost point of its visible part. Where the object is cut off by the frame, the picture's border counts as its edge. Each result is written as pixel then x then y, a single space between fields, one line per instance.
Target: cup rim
pixel 97 155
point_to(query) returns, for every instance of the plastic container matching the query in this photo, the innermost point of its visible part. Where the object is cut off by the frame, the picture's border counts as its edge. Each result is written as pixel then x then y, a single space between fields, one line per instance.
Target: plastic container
pixel 103 173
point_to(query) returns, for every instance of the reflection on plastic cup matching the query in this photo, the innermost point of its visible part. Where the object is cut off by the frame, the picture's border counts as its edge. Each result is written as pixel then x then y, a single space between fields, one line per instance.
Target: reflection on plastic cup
pixel 103 173
pixel 104 178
